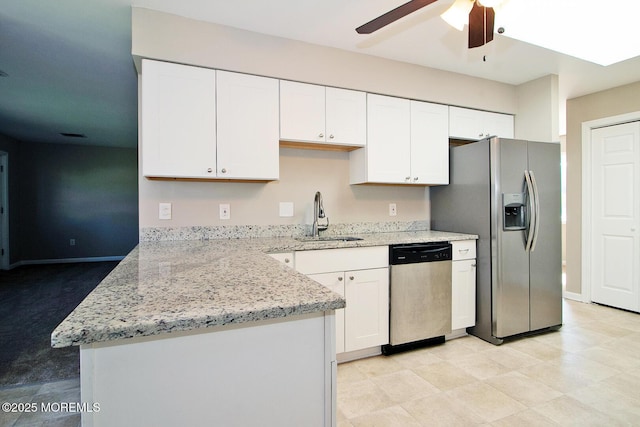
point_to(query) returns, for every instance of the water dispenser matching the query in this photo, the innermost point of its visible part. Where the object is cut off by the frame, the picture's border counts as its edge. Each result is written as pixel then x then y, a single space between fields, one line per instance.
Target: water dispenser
pixel 514 212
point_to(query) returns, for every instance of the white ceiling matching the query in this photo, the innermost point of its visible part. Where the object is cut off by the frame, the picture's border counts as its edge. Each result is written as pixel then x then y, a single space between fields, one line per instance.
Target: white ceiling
pixel 70 67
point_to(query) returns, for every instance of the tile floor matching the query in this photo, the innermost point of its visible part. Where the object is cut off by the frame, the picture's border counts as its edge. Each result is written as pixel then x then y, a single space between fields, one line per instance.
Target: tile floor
pixel 586 374
pixel 66 391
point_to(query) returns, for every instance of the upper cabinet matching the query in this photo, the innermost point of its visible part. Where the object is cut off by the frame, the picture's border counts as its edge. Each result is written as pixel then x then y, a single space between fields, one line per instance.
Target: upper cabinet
pixel 465 123
pixel 195 123
pixel 322 115
pixel 178 120
pixel 407 143
pixel 247 123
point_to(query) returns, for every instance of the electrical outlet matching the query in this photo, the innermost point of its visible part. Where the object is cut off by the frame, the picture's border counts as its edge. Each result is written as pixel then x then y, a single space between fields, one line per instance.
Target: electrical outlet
pixel 225 211
pixel 392 209
pixel 164 211
pixel 72 242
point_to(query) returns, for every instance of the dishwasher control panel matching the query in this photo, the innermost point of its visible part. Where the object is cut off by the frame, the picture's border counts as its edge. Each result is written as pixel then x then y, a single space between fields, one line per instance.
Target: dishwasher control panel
pixel 419 252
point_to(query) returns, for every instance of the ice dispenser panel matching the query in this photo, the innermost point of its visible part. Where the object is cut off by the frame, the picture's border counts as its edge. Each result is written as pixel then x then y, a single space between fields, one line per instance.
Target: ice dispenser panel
pixel 513 211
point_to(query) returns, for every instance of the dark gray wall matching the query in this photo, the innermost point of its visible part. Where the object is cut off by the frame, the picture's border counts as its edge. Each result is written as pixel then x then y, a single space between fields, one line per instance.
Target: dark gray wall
pixel 65 192
pixel 10 147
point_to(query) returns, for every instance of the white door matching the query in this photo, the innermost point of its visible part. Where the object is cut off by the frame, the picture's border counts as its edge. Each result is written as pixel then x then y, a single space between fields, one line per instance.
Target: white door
pixel 346 117
pixel 463 294
pixel 247 136
pixel 178 120
pixel 429 143
pixel 388 139
pixel 367 312
pixel 615 213
pixel 335 282
pixel 302 112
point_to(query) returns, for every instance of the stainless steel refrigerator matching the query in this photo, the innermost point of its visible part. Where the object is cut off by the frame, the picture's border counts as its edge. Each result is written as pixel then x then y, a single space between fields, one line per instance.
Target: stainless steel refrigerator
pixel 508 193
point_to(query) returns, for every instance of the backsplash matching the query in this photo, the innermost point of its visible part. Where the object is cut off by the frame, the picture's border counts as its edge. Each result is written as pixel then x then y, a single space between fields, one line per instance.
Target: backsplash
pixel 155 234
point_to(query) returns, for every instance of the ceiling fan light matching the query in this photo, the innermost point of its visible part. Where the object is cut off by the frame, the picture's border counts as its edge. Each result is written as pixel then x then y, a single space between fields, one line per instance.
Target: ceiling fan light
pixel 458 14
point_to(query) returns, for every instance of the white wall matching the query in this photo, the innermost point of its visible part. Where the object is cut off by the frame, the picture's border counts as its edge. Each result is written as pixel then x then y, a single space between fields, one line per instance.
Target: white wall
pixel 168 37
pixel 538 115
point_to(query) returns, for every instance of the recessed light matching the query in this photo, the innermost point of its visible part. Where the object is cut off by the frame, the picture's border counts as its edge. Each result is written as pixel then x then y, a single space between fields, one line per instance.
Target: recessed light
pixel 73 135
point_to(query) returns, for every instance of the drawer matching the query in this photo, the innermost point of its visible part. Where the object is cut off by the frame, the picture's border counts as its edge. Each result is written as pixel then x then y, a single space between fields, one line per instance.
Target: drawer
pixel 284 257
pixel 328 260
pixel 463 249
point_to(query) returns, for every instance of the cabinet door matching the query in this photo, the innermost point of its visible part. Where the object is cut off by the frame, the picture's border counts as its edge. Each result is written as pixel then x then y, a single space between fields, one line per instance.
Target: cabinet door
pixel 499 125
pixel 178 120
pixel 335 282
pixel 389 139
pixel 367 312
pixel 466 123
pixel 463 294
pixel 346 117
pixel 286 258
pixel 429 143
pixel 247 126
pixel 302 112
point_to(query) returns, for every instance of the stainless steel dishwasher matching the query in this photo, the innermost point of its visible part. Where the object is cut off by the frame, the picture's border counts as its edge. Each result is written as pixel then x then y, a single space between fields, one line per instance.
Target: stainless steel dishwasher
pixel 419 295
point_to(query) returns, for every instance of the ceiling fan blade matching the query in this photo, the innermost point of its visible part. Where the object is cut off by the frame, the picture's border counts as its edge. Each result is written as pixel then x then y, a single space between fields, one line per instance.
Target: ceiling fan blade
pixel 392 16
pixel 481 22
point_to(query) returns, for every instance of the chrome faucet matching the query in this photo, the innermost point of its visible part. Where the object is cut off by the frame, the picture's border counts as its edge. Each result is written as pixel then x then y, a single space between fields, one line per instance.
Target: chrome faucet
pixel 318 212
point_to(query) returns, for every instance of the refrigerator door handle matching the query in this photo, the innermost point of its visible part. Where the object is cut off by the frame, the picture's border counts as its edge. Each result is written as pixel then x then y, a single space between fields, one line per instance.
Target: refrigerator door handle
pixel 537 204
pixel 529 232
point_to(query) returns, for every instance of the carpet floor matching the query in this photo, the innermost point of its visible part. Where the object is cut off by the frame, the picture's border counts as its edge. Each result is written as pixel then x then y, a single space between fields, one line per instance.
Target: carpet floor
pixel 34 299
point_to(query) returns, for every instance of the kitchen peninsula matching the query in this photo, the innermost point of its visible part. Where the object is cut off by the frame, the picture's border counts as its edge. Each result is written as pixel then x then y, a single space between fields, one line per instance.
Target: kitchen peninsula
pixel 212 332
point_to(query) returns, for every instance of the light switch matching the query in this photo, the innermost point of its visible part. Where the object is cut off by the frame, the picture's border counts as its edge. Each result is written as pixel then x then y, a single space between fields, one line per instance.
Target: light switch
pixel 286 209
pixel 164 211
pixel 392 209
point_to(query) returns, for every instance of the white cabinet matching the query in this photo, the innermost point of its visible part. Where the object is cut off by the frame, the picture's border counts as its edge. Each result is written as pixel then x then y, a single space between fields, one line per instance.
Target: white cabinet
pixel 247 121
pixel 322 115
pixel 335 282
pixel 178 120
pixel 285 258
pixel 471 124
pixel 407 143
pixel 362 276
pixel 463 283
pixel 202 123
pixel 367 314
pixel 429 143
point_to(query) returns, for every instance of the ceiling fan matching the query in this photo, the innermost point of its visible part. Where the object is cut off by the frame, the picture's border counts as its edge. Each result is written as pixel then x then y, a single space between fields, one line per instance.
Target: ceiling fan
pixel 481 17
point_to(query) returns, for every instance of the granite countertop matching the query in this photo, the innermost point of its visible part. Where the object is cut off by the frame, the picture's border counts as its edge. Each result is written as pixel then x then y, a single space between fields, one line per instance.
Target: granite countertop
pixel 168 286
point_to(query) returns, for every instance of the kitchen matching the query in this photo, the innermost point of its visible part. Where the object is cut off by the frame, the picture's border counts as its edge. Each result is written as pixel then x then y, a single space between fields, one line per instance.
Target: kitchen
pixel 197 202
pixel 171 207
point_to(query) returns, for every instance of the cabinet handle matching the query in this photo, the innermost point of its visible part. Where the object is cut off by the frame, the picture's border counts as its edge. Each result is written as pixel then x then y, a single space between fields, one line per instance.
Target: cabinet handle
pixel 331 136
pixel 415 179
pixel 407 179
pixel 481 135
pixel 223 170
pixel 209 170
pixel 321 135
pixel 463 251
pixel 351 277
pixel 340 279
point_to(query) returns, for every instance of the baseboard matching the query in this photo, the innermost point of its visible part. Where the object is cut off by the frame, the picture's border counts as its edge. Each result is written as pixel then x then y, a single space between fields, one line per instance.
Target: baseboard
pixel 66 260
pixel 572 296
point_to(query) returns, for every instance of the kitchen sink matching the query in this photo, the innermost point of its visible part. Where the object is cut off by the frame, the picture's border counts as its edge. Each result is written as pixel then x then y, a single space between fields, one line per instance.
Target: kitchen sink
pixel 329 239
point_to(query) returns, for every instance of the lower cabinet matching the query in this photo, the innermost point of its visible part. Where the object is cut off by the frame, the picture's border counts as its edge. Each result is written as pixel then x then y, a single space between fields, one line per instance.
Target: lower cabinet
pixel 364 323
pixel 463 284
